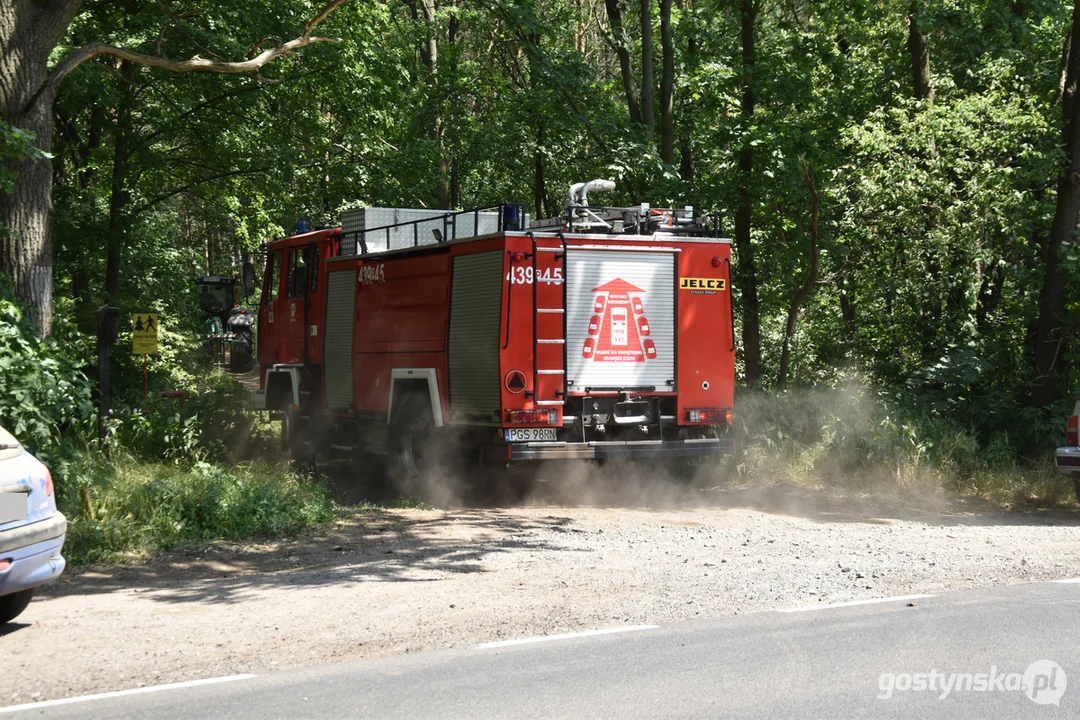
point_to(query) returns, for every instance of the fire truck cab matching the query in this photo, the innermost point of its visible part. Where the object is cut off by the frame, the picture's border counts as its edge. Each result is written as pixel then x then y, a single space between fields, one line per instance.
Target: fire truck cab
pixel 604 333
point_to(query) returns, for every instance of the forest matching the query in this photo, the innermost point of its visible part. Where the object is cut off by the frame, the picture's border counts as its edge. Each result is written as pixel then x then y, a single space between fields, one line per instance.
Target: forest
pixel 901 182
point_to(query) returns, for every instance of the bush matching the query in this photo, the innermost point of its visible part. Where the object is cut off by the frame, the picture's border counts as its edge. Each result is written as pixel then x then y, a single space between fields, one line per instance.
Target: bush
pixel 215 424
pixel 136 508
pixel 45 399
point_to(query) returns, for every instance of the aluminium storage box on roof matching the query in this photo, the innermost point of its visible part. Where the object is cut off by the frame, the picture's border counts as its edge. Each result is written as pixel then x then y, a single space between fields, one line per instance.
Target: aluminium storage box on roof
pixel 420 230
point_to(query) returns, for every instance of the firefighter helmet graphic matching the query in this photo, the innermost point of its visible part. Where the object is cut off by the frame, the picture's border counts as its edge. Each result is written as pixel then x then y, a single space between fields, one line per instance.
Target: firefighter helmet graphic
pixel 618 329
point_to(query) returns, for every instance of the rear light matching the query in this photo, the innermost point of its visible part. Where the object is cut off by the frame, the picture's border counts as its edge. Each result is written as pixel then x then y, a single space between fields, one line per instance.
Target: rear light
pixel 709 416
pixel 48 483
pixel 5 564
pixel 532 417
pixel 1070 431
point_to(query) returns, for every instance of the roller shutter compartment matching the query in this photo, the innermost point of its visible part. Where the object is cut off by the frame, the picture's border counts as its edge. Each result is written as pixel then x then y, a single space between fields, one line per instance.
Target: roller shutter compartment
pixel 475 308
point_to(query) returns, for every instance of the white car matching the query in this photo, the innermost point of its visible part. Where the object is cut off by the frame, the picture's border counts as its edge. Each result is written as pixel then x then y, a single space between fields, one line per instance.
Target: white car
pixel 31 528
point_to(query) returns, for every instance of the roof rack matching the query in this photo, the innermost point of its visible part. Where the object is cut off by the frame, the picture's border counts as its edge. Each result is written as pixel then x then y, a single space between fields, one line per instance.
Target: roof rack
pixel 432 228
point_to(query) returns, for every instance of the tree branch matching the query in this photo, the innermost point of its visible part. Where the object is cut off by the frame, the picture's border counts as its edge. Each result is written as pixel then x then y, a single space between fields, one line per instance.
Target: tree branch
pixel 194 64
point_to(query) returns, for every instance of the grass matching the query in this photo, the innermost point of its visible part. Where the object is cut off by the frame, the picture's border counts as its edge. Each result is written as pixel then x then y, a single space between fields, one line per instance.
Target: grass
pixel 133 509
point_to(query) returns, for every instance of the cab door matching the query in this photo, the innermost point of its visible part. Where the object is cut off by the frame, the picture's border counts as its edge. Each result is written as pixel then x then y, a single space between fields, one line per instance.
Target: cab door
pixel 270 312
pixel 314 304
pixel 294 305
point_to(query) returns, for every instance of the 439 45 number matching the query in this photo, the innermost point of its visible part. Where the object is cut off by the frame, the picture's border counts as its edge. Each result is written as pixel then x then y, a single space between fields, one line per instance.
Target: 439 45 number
pixel 523 275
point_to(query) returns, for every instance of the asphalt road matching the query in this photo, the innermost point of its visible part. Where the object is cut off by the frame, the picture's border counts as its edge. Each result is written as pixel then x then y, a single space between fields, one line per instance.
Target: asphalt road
pixel 1020 645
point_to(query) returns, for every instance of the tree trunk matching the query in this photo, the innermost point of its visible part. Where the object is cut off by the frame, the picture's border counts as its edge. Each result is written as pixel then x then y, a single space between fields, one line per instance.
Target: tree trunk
pixel 430 54
pixel 538 171
pixel 583 13
pixel 686 143
pixel 847 307
pixel 667 86
pixel 747 275
pixel 919 49
pixel 803 293
pixel 614 13
pixel 119 197
pixel 28 33
pixel 1049 335
pixel 648 91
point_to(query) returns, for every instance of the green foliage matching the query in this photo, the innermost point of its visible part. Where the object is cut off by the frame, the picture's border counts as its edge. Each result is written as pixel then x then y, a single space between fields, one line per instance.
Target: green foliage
pixel 216 424
pixel 134 508
pixel 16 146
pixel 45 399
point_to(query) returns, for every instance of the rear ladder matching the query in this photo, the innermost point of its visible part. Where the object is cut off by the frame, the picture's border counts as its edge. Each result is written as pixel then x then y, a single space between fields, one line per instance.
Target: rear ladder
pixel 549 321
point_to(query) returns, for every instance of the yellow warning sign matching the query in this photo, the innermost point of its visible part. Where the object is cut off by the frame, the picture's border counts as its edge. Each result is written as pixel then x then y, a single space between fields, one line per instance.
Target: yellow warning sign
pixel 144 334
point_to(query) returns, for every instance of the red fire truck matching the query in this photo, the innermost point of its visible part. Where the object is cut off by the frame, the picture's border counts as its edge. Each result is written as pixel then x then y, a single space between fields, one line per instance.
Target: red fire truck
pixel 604 333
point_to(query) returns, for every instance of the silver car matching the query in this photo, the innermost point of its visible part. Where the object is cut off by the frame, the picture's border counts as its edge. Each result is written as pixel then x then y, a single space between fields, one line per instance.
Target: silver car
pixel 31 528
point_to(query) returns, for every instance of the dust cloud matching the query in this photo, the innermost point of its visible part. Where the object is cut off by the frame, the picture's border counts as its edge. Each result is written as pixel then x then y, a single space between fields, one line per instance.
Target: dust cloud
pixel 795 451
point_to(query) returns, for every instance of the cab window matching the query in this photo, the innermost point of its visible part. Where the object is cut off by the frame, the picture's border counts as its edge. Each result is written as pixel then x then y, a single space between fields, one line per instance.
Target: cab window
pixel 275 277
pixel 297 272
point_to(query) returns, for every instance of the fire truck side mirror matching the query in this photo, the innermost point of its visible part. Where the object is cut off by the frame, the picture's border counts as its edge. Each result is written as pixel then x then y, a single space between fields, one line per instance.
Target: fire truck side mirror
pixel 108 324
pixel 248 279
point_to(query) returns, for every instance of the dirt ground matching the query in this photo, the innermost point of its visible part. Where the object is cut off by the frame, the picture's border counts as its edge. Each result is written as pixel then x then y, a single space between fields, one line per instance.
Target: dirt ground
pixel 392 581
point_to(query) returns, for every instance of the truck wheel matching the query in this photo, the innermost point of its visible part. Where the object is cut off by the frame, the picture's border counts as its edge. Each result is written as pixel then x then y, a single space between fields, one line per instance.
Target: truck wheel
pixel 12 605
pixel 410 438
pixel 291 438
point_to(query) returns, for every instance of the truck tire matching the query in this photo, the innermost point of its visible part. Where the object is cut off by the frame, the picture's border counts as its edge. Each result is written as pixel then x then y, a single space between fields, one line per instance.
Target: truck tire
pixel 411 430
pixel 11 606
pixel 292 435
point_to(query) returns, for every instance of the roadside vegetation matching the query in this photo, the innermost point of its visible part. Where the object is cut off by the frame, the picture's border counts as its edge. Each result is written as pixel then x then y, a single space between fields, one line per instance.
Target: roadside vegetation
pixel 904 276
pixel 172 476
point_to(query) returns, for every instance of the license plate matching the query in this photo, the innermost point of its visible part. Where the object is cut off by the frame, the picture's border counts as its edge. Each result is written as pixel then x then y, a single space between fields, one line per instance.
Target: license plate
pixel 13 507
pixel 530 435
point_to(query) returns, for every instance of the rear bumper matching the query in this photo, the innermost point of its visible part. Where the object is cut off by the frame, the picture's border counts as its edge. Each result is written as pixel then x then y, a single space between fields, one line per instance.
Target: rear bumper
pixel 1067 460
pixel 621 450
pixel 35 554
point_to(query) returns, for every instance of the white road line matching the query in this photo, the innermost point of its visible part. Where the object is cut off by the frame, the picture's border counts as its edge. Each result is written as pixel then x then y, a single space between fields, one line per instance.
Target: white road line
pixel 121 693
pixel 1068 581
pixel 567 636
pixel 851 603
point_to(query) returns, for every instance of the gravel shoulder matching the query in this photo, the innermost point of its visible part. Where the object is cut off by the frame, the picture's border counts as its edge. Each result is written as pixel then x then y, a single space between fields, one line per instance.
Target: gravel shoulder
pixel 392 581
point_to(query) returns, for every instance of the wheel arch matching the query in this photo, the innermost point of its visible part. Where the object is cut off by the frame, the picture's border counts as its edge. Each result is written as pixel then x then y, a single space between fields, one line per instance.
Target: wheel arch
pixel 422 381
pixel 283 387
